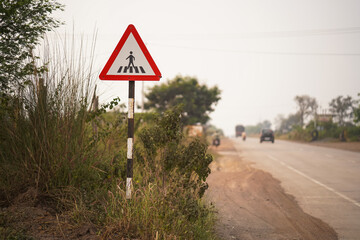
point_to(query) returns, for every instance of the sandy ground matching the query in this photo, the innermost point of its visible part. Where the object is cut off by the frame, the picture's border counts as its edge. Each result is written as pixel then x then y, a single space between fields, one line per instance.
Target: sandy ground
pixel 252 204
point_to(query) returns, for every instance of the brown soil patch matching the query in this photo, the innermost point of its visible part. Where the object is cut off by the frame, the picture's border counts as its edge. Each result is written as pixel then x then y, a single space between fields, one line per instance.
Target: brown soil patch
pixel 253 205
pixel 29 218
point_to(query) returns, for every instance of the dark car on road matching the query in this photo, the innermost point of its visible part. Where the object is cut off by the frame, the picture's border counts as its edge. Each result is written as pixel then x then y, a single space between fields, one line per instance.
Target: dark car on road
pixel 267 135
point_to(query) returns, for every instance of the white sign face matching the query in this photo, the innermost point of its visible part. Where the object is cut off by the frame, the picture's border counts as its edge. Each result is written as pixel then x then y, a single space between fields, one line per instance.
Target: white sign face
pixel 130 60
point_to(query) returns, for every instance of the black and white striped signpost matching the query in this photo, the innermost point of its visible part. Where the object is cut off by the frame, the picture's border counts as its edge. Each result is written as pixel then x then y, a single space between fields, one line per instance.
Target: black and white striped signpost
pixel 130 61
pixel 130 140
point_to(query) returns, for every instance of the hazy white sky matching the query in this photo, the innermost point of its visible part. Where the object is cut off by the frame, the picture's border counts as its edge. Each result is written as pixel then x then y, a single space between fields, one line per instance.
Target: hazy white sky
pixel 260 53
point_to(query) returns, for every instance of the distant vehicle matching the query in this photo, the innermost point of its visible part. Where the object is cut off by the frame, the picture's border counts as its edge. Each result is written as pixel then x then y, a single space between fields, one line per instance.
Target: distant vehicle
pixel 267 135
pixel 240 132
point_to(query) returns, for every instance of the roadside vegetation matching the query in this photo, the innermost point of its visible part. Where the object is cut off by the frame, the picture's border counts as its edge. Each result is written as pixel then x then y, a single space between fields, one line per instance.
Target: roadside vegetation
pixel 339 122
pixel 65 159
pixel 49 149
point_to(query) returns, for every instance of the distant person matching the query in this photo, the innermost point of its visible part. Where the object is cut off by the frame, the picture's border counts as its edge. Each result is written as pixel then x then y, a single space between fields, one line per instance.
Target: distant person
pixel 216 141
pixel 243 135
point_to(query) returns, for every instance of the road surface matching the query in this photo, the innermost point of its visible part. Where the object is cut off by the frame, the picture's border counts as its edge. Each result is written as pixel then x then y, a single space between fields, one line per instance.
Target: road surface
pixel 325 182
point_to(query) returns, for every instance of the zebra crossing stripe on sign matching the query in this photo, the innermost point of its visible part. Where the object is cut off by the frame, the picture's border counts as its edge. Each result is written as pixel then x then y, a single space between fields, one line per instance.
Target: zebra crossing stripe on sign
pixel 124 69
pixel 130 60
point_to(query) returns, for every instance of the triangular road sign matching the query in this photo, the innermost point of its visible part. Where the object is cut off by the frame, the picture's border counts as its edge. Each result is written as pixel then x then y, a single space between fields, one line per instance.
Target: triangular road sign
pixel 130 61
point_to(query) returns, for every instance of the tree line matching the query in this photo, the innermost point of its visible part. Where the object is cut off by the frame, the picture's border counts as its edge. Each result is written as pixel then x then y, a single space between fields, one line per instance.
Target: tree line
pixel 341 117
pixel 343 110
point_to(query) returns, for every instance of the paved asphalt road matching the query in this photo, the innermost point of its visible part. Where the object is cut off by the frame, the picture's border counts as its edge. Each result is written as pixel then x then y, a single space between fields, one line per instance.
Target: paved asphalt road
pixel 324 181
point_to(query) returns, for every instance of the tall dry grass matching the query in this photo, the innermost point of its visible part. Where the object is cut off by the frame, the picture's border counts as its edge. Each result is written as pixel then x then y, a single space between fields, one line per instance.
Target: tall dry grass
pixel 44 131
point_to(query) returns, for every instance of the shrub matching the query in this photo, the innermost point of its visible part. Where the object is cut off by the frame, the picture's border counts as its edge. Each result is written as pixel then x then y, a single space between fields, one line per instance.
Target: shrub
pixel 353 133
pixel 300 134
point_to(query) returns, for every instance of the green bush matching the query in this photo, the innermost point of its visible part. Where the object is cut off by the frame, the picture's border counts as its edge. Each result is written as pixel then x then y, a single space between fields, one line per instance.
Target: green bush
pixel 299 134
pixel 326 130
pixel 353 133
pixel 176 169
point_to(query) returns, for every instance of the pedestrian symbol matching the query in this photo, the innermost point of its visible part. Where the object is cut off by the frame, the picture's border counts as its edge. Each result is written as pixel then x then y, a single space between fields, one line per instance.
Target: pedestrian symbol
pixel 131 59
pixel 131 68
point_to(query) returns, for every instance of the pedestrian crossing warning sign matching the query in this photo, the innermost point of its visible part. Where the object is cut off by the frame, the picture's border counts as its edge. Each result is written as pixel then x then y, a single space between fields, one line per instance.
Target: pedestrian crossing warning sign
pixel 130 60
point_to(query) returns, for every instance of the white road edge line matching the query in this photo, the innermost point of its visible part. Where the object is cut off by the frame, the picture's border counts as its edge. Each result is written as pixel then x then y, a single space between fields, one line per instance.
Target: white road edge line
pixel 316 181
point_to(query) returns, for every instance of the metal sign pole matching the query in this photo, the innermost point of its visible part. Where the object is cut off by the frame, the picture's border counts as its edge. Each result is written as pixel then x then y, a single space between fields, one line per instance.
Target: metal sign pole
pixel 130 140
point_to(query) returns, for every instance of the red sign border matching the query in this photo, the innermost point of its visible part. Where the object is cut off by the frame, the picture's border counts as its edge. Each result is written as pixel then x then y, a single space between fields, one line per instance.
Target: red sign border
pixel 130 29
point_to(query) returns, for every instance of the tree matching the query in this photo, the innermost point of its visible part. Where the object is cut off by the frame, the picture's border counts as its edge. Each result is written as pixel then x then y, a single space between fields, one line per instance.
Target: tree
pixel 22 25
pixel 286 124
pixel 342 107
pixel 266 124
pixel 307 106
pixel 198 100
pixel 357 112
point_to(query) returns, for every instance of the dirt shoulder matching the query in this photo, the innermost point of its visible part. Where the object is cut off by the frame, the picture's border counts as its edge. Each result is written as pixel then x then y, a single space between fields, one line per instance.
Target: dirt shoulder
pixel 252 204
pixel 29 218
pixel 349 146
